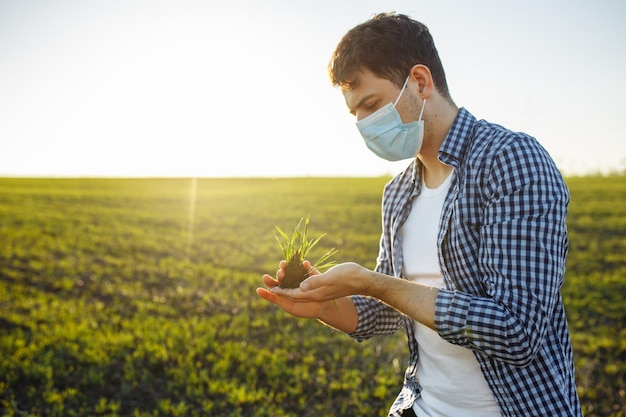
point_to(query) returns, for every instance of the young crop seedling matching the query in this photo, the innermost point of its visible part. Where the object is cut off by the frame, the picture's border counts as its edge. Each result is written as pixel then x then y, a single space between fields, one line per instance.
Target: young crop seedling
pixel 296 248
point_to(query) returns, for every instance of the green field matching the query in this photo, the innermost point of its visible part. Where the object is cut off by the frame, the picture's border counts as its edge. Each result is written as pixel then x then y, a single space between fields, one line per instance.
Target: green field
pixel 135 297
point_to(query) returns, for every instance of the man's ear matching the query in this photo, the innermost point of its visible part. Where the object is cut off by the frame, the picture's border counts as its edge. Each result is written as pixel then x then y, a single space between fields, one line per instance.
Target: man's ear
pixel 424 78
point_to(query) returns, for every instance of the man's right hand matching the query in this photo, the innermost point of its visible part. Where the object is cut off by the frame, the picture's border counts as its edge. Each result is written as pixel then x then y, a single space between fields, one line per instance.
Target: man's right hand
pixel 297 309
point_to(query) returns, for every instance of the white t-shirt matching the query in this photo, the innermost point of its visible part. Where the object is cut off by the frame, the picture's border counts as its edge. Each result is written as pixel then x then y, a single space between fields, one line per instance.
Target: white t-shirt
pixel 451 379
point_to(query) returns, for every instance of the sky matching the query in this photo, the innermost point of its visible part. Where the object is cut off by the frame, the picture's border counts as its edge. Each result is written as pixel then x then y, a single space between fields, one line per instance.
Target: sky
pixel 240 88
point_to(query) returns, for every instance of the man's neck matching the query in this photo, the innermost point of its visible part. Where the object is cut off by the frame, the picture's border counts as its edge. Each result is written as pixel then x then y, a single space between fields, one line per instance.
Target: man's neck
pixel 442 118
pixel 435 172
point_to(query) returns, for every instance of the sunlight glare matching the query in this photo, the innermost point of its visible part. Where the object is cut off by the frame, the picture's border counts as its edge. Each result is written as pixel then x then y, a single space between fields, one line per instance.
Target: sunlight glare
pixel 193 187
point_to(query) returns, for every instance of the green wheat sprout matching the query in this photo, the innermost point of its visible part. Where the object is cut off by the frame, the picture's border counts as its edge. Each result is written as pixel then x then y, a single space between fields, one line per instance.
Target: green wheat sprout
pixel 297 246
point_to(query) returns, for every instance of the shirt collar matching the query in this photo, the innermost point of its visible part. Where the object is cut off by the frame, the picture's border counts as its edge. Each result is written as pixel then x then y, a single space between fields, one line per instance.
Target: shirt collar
pixel 458 138
pixel 454 145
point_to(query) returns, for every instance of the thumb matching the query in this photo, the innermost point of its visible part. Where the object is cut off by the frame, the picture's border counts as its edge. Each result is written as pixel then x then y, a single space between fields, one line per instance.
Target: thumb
pixel 310 283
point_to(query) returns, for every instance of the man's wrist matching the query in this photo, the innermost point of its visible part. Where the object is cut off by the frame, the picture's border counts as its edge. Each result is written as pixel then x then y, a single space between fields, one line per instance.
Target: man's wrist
pixel 340 314
pixel 371 283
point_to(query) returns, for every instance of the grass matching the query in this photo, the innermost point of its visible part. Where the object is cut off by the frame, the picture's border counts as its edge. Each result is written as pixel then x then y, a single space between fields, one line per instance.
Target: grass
pixel 135 297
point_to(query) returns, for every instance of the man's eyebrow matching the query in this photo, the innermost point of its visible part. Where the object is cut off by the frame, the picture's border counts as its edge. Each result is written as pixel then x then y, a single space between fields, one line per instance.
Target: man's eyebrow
pixel 360 103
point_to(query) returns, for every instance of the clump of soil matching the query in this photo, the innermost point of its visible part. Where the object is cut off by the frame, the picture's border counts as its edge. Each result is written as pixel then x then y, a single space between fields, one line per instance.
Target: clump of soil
pixel 295 273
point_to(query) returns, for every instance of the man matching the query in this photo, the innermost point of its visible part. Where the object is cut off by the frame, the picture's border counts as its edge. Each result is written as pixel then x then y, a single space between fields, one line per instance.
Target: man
pixel 472 254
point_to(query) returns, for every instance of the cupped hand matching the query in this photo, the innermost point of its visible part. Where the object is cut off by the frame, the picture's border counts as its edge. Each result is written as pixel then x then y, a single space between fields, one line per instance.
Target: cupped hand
pixel 273 294
pixel 339 281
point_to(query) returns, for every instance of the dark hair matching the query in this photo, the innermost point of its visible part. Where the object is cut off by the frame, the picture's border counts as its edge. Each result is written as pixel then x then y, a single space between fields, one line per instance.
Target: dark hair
pixel 388 45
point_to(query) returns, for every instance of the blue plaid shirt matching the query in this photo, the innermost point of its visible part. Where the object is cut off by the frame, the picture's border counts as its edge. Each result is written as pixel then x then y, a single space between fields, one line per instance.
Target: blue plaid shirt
pixel 502 247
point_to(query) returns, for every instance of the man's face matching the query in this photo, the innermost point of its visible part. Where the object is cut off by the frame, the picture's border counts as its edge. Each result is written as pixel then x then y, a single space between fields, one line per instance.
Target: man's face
pixel 370 93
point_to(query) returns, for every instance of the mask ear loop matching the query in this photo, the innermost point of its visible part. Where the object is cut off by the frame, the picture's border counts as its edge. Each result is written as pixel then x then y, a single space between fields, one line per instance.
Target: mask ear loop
pixel 401 91
pixel 400 95
pixel 422 112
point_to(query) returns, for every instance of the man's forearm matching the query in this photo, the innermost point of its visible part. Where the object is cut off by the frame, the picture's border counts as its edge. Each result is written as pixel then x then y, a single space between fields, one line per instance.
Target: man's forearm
pixel 415 300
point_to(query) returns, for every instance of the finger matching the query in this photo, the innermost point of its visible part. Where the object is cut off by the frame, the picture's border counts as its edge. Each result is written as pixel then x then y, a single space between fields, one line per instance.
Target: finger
pixel 311 283
pixel 262 292
pixel 312 271
pixel 294 295
pixel 281 302
pixel 269 281
pixel 280 275
pixel 278 290
pixel 309 268
pixel 268 295
pixel 291 293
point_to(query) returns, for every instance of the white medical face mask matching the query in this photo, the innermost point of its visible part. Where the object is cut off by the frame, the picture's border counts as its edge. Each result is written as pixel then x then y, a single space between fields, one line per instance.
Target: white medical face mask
pixel 388 137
